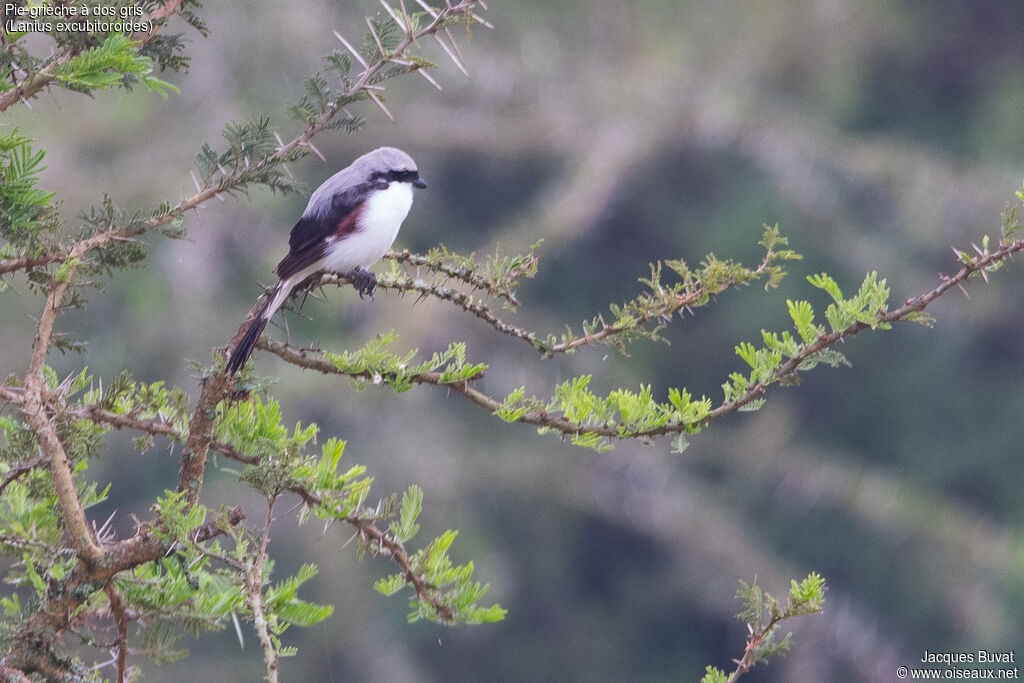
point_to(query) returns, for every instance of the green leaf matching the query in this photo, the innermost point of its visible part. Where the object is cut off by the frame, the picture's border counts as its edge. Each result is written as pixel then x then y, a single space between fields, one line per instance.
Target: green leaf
pixel 713 675
pixel 412 505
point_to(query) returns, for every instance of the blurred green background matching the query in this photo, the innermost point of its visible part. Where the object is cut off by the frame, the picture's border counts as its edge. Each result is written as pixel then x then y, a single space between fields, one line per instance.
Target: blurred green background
pixel 877 134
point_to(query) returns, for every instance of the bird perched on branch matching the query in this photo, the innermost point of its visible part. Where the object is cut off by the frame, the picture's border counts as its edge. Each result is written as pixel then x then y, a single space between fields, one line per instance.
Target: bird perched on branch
pixel 348 224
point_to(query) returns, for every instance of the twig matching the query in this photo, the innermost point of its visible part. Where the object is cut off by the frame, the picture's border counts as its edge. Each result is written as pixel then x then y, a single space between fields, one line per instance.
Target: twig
pixel 471 278
pixel 386 544
pixel 117 608
pixel 254 589
pixel 19 471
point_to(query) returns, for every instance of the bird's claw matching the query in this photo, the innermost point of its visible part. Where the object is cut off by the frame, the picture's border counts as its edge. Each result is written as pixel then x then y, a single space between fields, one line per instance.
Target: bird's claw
pixel 364 281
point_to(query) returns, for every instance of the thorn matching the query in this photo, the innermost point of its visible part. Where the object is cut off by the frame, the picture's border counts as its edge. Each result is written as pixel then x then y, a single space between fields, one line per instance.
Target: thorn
pixel 980 252
pixel 430 10
pixel 405 13
pixel 394 15
pixel 451 55
pixel 482 4
pixel 376 100
pixel 430 79
pixel 351 49
pixel 455 44
pixel 315 150
pixel 478 19
pixel 280 143
pixel 195 180
pixel 375 38
pixel 962 289
pixel 351 538
pixel 102 530
pixel 984 275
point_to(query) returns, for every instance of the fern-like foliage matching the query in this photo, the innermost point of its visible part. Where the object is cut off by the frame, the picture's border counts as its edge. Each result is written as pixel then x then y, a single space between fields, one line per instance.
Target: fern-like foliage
pixel 26 216
pixel 248 159
pixel 116 62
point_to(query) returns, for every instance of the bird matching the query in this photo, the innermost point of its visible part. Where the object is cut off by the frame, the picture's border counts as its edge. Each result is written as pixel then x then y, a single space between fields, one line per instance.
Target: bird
pixel 348 224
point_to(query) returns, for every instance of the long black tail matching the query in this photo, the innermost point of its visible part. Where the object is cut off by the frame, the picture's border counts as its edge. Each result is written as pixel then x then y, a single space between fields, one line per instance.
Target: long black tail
pixel 240 354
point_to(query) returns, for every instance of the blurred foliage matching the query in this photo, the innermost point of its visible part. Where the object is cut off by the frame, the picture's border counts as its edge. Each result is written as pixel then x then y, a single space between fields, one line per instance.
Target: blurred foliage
pixel 877 136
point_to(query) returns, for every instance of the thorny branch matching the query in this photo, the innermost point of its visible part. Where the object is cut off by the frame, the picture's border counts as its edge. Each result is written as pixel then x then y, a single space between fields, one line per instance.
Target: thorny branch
pixel 366 528
pixel 312 360
pixel 668 303
pixel 72 512
pixel 117 609
pixel 44 77
pixel 471 278
pixel 253 571
pixel 382 542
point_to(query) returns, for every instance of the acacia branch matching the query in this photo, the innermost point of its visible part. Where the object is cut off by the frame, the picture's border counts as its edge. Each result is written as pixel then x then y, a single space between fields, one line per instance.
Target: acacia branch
pixel 72 512
pixel 18 472
pixel 363 83
pixel 908 309
pixel 141 548
pixel 385 544
pixel 32 647
pixel 467 275
pixel 99 415
pixel 669 303
pixel 541 418
pixel 27 263
pixel 44 77
pixel 253 571
pixel 117 609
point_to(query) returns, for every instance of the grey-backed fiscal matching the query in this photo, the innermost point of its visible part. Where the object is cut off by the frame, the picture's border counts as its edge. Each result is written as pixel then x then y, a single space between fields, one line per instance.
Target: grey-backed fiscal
pixel 348 224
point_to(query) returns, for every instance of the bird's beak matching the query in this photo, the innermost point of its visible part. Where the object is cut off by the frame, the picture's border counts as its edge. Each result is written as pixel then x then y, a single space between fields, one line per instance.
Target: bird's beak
pixel 420 183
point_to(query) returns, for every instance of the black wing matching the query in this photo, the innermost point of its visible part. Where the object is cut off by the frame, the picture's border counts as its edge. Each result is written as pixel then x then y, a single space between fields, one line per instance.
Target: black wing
pixel 308 240
pixel 315 228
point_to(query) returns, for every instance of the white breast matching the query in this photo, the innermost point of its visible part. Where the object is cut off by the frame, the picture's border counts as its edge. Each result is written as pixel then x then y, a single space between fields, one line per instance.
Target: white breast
pixel 382 216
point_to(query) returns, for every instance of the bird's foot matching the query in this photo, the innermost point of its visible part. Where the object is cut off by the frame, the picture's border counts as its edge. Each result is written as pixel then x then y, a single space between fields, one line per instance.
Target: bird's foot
pixel 363 280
